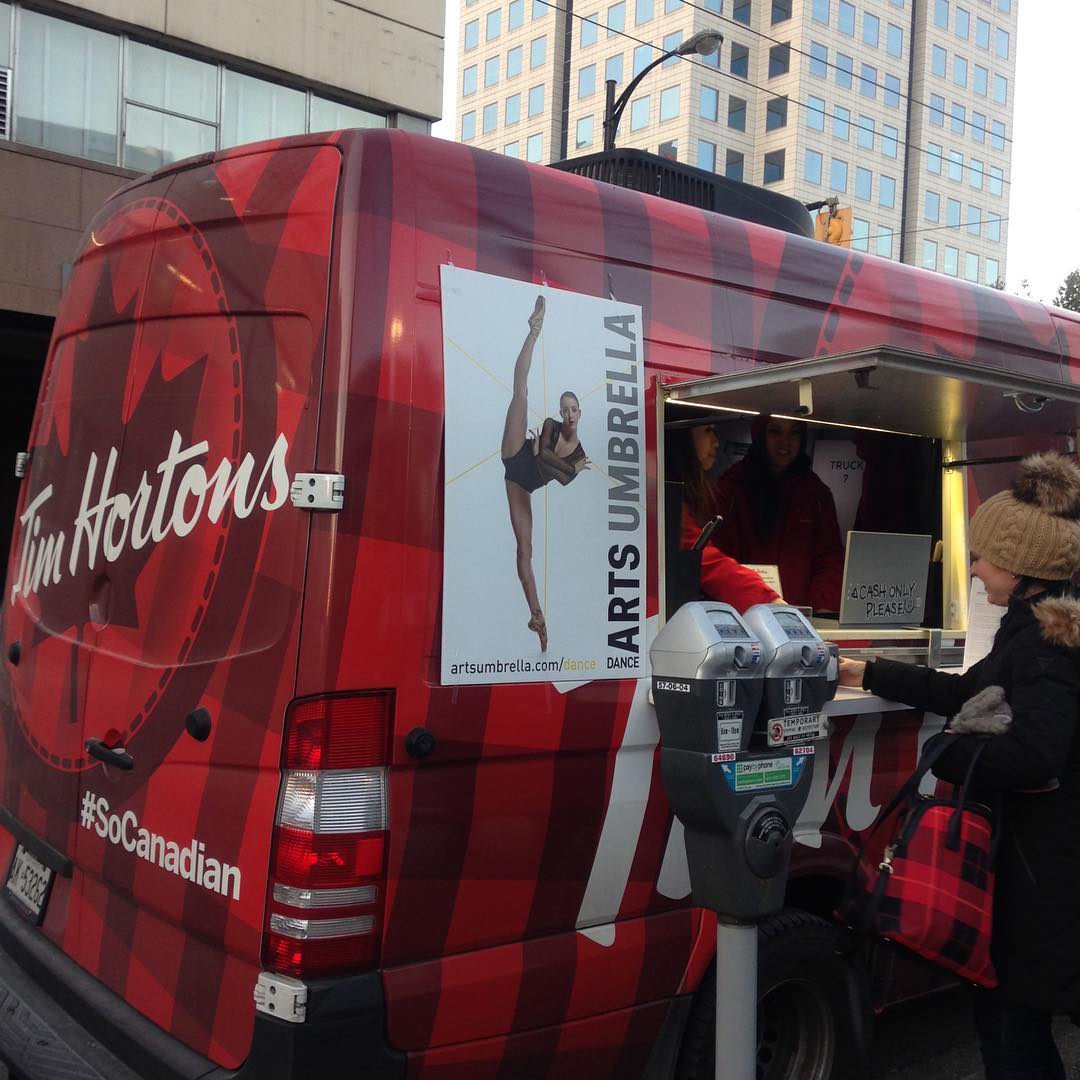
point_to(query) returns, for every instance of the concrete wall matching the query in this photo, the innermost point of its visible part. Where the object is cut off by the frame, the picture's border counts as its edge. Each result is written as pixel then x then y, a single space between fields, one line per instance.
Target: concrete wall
pixel 390 51
pixel 46 202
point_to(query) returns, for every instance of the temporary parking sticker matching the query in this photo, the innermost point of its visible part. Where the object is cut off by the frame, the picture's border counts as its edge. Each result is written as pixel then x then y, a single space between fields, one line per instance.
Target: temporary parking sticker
pixel 796 726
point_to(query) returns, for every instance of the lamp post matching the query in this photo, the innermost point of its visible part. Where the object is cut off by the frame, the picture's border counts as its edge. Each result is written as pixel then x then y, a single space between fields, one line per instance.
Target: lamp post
pixel 703 42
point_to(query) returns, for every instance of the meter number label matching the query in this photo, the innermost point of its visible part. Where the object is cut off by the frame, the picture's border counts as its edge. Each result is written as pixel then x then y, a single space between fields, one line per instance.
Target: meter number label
pixel 792 691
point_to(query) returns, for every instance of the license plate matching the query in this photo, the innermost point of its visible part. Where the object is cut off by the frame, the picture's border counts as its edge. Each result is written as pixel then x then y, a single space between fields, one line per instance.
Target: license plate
pixel 28 883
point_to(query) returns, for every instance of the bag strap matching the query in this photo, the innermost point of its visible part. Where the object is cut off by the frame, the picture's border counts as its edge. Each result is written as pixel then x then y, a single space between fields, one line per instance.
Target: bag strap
pixel 952 834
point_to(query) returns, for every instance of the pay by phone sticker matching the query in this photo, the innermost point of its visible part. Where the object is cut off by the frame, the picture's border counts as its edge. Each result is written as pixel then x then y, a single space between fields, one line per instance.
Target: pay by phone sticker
pixel 764 774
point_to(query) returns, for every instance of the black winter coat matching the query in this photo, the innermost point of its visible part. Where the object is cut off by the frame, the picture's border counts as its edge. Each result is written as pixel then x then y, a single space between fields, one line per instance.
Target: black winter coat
pixel 1035 658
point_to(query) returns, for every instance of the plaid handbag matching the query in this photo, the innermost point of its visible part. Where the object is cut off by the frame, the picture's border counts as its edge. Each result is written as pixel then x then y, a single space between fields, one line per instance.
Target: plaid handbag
pixel 932 892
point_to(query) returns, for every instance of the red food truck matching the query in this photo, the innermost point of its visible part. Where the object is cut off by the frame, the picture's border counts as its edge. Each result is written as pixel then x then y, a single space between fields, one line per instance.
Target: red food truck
pixel 291 783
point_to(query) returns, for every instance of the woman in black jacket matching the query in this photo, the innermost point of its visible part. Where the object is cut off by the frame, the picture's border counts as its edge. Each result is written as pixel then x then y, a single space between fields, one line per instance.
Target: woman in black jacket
pixel 1025 546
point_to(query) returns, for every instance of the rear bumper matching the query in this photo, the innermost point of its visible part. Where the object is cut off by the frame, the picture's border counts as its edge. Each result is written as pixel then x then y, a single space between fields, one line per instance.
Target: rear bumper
pixel 59 1023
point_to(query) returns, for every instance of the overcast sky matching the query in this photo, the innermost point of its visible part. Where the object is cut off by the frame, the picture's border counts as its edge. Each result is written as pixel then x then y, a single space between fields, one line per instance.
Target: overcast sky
pixel 1044 206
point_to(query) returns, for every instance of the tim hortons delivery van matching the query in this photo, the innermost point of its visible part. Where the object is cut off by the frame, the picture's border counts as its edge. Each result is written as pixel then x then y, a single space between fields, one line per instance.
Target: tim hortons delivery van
pixel 290 785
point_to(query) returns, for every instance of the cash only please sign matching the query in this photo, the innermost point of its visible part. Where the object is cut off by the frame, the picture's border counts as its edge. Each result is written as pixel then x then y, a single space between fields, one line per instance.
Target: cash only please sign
pixel 885 579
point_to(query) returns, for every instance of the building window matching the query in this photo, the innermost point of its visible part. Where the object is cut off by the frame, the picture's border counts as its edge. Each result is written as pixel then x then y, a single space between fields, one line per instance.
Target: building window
pixel 512 111
pixel 959 70
pixel 937 110
pixel 779 60
pixel 981 81
pixel 932 206
pixel 819 59
pixel 887 192
pixel 938 60
pixel 776 113
pixel 512 150
pixel 490 117
pixel 536 100
pixel 733 165
pixel 866 132
pixel 534 148
pixel 883 245
pixel 774 167
pixel 933 158
pixel 838 176
pixel 894 41
pixel 586 81
pixel 468 81
pixel 963 23
pixel 493 24
pixel 491 71
pixel 951 263
pixel 643 11
pixel 537 51
pixel 588 32
pixel 997 177
pixel 781 11
pixel 253 109
pixel 820 11
pixel 513 61
pixel 812 167
pixel 956 165
pixel 736 113
pixel 941 14
pixel 669 103
pixel 959 118
pixel 975 173
pixel 673 41
pixel 706 155
pixel 971 266
pixel 997 134
pixel 613 68
pixel 844 68
pixel 982 33
pixel 978 127
pixel 709 105
pixel 846 18
pixel 815 113
pixel 890 139
pixel 472 34
pixel 583 136
pixel 540 9
pixel 864 183
pixel 515 16
pixel 740 60
pixel 672 5
pixel 468 126
pixel 929 255
pixel 639 112
pixel 991 273
pixel 860 235
pixel 891 94
pixel 1001 89
pixel 868 81
pixel 715 5
pixel 616 18
pixel 993 227
pixel 740 12
pixel 974 220
pixel 871 29
pixel 952 213
pixel 841 121
pixel 643 55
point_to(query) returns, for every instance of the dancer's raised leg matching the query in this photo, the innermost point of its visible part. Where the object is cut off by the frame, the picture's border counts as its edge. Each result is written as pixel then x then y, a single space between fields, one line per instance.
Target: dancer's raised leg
pixel 516 427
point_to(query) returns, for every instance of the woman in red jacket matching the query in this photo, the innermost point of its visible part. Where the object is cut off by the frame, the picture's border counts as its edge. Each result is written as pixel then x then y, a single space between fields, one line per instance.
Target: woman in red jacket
pixel 722 578
pixel 776 511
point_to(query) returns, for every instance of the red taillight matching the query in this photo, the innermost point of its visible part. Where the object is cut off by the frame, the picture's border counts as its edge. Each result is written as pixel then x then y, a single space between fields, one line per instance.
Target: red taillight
pixel 327 879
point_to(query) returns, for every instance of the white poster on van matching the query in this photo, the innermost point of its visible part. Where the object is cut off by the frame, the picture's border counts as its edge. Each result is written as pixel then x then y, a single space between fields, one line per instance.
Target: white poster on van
pixel 544 531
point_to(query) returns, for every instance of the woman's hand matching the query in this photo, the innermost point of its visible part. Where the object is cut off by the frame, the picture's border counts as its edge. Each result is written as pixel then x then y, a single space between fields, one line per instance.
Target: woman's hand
pixel 580 464
pixel 536 319
pixel 534 434
pixel 852 672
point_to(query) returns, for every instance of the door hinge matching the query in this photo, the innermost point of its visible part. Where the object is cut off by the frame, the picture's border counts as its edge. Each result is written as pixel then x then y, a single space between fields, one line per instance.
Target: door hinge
pixel 281 996
pixel 318 491
pixel 22 464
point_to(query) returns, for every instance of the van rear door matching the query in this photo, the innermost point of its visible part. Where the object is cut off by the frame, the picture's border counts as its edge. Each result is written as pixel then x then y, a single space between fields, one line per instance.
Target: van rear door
pixel 143 722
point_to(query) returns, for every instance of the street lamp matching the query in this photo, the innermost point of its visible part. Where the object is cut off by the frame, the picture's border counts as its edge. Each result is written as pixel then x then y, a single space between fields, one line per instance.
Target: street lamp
pixel 703 42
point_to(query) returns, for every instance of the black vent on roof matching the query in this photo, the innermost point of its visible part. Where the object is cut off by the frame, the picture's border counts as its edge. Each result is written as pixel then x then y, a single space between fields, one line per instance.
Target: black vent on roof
pixel 5 103
pixel 642 171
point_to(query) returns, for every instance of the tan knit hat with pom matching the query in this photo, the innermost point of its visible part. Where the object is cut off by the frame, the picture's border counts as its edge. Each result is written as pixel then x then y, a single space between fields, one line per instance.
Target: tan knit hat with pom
pixel 1033 530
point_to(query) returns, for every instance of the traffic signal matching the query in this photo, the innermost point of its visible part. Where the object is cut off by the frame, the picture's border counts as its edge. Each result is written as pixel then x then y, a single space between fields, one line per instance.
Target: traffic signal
pixel 834 227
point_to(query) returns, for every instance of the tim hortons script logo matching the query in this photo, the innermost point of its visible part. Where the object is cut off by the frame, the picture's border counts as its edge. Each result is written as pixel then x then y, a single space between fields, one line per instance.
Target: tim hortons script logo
pixel 170 498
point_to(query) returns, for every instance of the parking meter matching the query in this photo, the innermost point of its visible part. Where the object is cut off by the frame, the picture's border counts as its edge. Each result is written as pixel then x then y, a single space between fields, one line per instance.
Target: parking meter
pixel 737 797
pixel 800 674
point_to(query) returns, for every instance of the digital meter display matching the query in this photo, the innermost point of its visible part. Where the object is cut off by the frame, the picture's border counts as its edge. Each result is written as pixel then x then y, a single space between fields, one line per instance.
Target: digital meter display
pixel 726 625
pixel 793 626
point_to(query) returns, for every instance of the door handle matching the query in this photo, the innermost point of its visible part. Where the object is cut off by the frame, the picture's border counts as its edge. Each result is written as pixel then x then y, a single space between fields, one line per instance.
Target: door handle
pixel 117 756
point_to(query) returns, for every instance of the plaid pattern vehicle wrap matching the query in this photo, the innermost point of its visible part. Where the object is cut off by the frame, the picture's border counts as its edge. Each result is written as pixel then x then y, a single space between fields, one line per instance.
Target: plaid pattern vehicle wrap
pixel 536 922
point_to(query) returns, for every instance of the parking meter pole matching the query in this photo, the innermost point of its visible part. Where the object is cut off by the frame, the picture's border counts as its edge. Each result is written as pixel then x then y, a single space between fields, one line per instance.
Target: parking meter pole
pixel 736 1001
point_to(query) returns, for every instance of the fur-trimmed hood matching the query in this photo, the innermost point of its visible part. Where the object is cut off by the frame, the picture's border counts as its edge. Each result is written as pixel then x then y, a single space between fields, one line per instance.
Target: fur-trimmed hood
pixel 1059 618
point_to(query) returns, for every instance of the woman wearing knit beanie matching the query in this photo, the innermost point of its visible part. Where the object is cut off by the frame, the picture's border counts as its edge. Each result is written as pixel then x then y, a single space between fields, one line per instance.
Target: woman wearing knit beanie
pixel 1025 547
